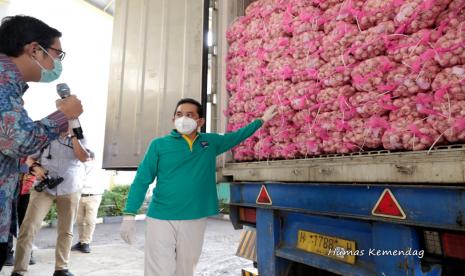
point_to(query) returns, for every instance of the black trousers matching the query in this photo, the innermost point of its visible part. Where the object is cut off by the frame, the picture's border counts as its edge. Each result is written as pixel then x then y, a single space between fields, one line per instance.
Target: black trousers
pixel 7 247
pixel 3 253
pixel 23 201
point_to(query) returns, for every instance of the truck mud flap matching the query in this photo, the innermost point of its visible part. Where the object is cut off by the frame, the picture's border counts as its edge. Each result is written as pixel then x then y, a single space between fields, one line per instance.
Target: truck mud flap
pixel 249 272
pixel 248 245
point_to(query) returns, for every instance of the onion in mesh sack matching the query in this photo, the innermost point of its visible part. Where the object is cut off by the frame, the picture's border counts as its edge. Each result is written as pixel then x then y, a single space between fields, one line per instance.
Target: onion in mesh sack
pixel 405 108
pixel 335 98
pixel 307 68
pixel 287 150
pixel 377 11
pixel 275 93
pixel 254 67
pixel 243 153
pixel 235 104
pixel 307 144
pixel 252 86
pixel 335 144
pixel 262 8
pixel 280 69
pixel 406 80
pixel 336 43
pixel 451 47
pixel 410 134
pixel 237 48
pixel 240 118
pixel 236 29
pixel 326 4
pixel 404 47
pixel 415 15
pixel 372 42
pixel 304 120
pixel 333 121
pixel 303 95
pixel 370 75
pixel 278 24
pixel 449 120
pixel 283 133
pixel 276 47
pixel 449 84
pixel 234 82
pixel 368 104
pixel 307 20
pixel 349 11
pixel 296 6
pixel 280 87
pixel 254 28
pixel 252 46
pixel 453 16
pixel 256 106
pixel 263 148
pixel 336 73
pixel 366 133
pixel 305 44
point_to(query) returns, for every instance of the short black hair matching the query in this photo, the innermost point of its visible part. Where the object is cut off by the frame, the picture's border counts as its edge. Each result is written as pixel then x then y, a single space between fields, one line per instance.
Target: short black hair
pixel 20 30
pixel 190 101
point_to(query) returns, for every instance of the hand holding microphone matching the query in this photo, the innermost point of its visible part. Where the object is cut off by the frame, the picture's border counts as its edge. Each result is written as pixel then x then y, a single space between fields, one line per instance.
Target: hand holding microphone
pixel 71 107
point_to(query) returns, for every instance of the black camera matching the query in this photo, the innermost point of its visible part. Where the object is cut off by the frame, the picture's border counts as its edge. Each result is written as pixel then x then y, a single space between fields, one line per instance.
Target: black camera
pixel 49 182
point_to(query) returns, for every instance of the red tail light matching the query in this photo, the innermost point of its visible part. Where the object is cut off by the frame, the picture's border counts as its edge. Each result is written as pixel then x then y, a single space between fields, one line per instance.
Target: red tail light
pixel 453 245
pixel 248 214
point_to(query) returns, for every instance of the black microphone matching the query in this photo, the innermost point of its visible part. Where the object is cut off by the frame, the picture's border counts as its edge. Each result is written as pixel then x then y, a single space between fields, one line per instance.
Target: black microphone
pixel 64 92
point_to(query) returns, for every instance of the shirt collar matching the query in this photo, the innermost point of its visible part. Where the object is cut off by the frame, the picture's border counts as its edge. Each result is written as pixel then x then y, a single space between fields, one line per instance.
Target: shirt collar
pixel 174 133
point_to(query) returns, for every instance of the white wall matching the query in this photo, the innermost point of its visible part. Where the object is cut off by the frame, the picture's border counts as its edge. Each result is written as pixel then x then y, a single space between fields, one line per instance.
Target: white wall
pixel 4 4
pixel 86 40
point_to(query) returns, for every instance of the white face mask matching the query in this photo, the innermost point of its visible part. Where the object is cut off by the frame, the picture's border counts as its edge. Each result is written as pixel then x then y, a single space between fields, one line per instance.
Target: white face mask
pixel 185 125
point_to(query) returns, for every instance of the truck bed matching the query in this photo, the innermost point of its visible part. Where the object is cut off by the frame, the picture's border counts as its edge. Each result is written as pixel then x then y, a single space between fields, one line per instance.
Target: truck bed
pixel 443 164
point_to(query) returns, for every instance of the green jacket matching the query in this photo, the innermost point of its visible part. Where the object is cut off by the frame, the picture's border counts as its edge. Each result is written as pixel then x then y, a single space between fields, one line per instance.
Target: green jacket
pixel 186 184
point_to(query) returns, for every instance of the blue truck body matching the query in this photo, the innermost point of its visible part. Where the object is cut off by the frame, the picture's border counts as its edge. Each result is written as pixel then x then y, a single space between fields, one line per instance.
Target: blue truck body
pixel 384 245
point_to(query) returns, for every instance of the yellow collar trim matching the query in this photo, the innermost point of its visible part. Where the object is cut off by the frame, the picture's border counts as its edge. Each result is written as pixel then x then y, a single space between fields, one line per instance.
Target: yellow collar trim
pixel 189 141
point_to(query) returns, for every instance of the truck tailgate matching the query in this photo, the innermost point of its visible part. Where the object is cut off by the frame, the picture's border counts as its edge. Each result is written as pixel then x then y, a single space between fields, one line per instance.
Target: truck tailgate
pixel 444 164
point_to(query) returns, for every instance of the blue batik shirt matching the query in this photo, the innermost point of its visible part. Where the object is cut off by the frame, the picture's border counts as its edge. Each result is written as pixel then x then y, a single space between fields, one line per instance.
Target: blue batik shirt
pixel 19 136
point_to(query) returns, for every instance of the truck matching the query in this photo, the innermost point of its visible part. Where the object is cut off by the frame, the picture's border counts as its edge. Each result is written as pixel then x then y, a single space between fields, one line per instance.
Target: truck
pixel 365 213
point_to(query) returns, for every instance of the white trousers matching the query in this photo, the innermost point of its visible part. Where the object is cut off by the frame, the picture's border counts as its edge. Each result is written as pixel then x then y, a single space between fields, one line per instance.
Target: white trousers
pixel 173 247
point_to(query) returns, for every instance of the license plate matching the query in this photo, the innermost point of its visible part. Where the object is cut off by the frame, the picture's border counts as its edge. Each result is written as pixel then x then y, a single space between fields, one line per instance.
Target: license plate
pixel 332 247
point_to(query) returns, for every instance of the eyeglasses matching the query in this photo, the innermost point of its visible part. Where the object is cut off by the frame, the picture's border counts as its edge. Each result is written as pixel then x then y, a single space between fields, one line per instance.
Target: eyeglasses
pixel 61 54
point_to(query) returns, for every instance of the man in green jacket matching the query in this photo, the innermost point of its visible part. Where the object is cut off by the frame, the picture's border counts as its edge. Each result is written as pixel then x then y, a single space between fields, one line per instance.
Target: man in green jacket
pixel 184 164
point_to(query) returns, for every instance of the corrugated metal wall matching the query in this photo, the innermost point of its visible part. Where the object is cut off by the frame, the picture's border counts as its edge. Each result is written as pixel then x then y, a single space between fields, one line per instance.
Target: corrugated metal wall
pixel 156 60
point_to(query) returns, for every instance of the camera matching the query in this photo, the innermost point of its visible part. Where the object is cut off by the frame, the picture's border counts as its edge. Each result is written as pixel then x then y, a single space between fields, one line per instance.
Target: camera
pixel 49 182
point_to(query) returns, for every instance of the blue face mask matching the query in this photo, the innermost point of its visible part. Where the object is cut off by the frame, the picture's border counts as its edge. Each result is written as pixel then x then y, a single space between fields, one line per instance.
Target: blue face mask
pixel 50 75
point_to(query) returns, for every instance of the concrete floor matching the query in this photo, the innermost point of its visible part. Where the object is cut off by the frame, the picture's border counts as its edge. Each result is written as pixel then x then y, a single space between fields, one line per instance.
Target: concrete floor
pixel 111 256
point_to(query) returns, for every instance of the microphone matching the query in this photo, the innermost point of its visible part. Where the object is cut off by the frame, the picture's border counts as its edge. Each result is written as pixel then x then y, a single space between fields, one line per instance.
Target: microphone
pixel 64 92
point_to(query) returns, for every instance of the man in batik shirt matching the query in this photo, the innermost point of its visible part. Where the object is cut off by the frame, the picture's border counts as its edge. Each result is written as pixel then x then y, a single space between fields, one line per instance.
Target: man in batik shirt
pixel 30 51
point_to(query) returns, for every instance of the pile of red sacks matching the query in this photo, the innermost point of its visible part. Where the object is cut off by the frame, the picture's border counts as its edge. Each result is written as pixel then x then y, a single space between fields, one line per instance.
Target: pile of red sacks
pixel 347 76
